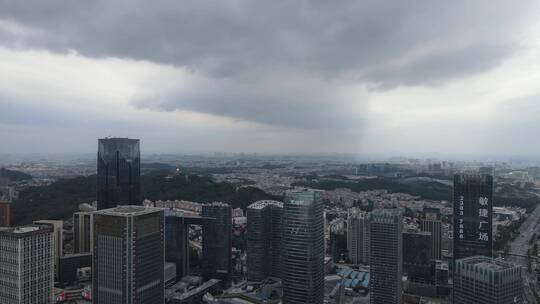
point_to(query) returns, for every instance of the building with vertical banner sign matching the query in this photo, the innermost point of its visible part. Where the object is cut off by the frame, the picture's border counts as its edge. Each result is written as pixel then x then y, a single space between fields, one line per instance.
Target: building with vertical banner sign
pixel 473 209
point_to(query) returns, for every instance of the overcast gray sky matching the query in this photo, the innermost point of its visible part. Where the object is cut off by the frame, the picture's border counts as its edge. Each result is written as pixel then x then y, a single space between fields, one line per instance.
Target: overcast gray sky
pixel 271 76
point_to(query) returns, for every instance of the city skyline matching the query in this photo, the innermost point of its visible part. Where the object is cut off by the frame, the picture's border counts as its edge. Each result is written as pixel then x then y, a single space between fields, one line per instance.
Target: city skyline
pixel 316 245
pixel 308 77
pixel 279 152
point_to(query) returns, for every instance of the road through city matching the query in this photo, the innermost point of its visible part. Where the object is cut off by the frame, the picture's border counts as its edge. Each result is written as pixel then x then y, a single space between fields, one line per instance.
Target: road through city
pixel 518 251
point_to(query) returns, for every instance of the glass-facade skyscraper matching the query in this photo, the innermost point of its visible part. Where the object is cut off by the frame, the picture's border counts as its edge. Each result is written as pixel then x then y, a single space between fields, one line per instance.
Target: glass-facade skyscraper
pixel 264 222
pixel 118 172
pixel 128 256
pixel 217 243
pixel 177 241
pixel 473 212
pixel 386 239
pixel 417 255
pixel 303 247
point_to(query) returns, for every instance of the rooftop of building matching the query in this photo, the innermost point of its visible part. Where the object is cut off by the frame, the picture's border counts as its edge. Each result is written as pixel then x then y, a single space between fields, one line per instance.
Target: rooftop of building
pixel 270 290
pixel 385 215
pixel 355 282
pixel 87 207
pixel 490 265
pixel 217 204
pixel 357 213
pixel 54 222
pixel 75 255
pixel 472 178
pixel 116 139
pixel 302 191
pixel 264 203
pixel 487 263
pixel 303 196
pixel 503 210
pixel 417 232
pixel 23 230
pixel 179 213
pixel 197 290
pixel 128 210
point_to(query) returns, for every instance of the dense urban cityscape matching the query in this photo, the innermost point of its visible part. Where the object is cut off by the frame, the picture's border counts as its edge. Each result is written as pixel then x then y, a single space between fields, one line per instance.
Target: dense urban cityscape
pixel 269 152
pixel 325 229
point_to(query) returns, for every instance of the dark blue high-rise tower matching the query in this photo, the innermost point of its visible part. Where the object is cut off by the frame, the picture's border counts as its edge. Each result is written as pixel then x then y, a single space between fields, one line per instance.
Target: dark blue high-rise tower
pixel 264 225
pixel 118 172
pixel 217 243
pixel 473 214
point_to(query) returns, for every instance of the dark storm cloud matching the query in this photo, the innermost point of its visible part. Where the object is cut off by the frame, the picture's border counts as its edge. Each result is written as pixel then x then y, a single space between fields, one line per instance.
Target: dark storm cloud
pixel 293 103
pixel 437 68
pixel 242 44
pixel 228 37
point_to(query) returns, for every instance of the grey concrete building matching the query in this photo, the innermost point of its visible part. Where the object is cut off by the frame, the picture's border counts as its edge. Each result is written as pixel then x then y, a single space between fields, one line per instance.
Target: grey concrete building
pixel 26 265
pixel 431 222
pixel 58 239
pixel 303 247
pixel 82 232
pixel 385 256
pixel 264 220
pixel 358 236
pixel 217 243
pixel 483 280
pixel 128 256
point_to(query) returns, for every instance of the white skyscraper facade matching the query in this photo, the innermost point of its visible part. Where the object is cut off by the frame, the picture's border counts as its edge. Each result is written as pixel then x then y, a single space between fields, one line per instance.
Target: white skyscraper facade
pixel 26 265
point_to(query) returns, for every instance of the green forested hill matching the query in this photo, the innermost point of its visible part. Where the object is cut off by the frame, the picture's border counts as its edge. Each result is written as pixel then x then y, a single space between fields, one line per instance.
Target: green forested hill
pixel 56 201
pixel 60 199
pixel 507 196
pixel 427 190
pixel 13 175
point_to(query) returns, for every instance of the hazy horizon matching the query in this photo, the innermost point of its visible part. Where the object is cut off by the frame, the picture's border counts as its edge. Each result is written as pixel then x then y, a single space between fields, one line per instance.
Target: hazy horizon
pixel 149 156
